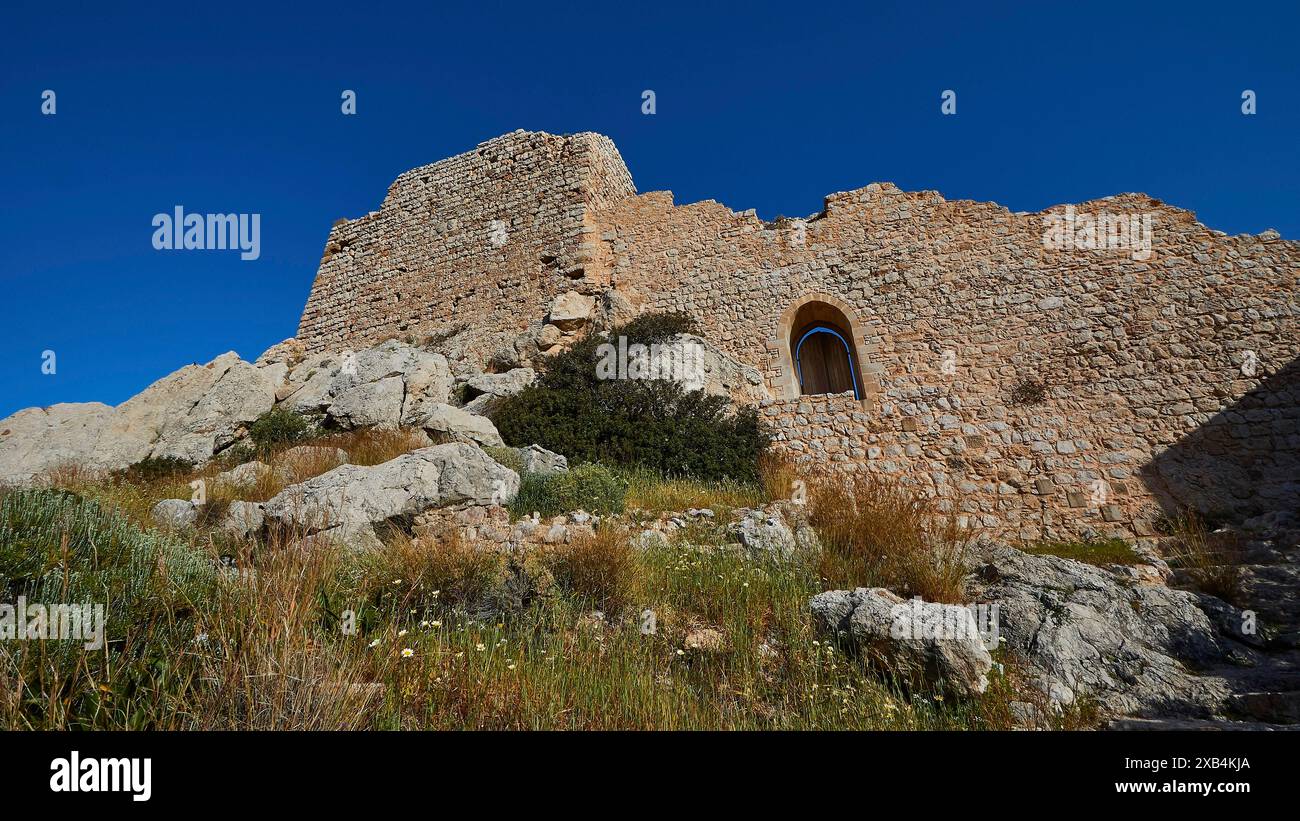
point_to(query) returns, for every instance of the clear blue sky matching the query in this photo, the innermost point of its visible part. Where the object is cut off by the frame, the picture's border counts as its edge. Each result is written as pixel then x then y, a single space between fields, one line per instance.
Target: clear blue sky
pixel 232 107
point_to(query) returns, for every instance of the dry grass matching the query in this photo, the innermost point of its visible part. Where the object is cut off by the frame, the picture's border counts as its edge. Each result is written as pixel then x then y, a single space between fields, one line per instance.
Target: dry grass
pixel 779 475
pixel 374 446
pixel 1212 561
pixel 876 534
pixel 654 494
pixel 599 569
pixel 267 660
pixel 430 573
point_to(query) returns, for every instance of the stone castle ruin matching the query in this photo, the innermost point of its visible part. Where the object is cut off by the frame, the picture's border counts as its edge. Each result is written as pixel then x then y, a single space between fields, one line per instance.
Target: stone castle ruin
pixel 1075 371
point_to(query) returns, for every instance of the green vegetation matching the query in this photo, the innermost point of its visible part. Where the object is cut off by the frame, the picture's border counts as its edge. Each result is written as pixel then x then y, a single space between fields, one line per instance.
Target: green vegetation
pixel 279 427
pixel 649 423
pixel 593 488
pixel 1100 553
pixel 153 468
pixel 433 632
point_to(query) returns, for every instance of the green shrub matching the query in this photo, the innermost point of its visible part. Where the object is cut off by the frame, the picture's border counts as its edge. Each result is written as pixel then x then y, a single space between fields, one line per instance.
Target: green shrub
pixel 653 423
pixel 591 487
pixel 56 547
pixel 153 468
pixel 277 427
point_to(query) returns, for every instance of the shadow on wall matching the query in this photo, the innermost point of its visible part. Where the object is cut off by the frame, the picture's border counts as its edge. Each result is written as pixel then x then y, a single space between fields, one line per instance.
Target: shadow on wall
pixel 1242 462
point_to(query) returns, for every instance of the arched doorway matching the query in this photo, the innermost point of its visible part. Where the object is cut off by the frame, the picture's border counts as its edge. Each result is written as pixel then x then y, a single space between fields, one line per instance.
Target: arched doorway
pixel 823 351
pixel 824 363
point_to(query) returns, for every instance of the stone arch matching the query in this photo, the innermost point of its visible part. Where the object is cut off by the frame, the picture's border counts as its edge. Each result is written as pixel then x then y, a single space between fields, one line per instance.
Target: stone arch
pixel 812 313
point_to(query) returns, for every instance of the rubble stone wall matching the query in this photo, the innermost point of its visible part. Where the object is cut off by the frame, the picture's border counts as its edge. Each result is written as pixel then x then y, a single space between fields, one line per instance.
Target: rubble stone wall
pixel 479 239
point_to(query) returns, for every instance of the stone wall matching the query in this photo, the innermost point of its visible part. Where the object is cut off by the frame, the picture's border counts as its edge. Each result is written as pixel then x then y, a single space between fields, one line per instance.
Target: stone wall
pixel 481 239
pixel 1168 378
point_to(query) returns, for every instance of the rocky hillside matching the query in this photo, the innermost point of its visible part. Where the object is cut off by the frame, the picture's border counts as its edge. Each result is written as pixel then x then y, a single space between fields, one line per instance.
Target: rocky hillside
pixel 397 459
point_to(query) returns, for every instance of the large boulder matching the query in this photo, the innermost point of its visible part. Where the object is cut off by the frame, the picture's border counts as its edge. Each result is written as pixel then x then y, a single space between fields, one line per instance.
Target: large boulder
pixel 387 385
pixel 939 645
pixel 243 519
pixel 764 533
pixel 370 404
pixel 1087 632
pixel 452 474
pixel 483 388
pixel 242 476
pixel 543 462
pixel 458 425
pixel 174 514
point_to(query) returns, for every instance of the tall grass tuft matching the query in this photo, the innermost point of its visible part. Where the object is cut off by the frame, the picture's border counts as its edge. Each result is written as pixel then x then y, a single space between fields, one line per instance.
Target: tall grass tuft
pixel 600 569
pixel 875 533
pixel 1211 560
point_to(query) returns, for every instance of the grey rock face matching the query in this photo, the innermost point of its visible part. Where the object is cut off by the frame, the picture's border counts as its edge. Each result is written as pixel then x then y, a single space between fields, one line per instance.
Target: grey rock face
pixel 356 537
pixel 386 385
pixel 764 532
pixel 453 474
pixel 539 460
pixel 482 389
pixel 174 513
pixel 1086 632
pixel 36 440
pixel 243 476
pixel 243 519
pixel 370 404
pixel 916 640
pixel 460 426
pixel 189 414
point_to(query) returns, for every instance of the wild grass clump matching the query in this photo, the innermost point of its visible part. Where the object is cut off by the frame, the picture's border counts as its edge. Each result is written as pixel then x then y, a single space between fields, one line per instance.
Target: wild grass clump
pixel 430 574
pixel 779 476
pixel 875 533
pixel 591 487
pixel 373 446
pixel 600 570
pixel 653 493
pixel 1210 559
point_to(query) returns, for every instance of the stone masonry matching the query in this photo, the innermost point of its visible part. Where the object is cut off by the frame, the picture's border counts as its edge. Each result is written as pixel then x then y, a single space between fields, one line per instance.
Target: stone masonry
pixel 1040 392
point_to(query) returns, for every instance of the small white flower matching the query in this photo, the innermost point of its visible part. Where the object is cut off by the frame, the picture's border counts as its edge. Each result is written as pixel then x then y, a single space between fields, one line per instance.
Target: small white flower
pixel 374 643
pixel 407 652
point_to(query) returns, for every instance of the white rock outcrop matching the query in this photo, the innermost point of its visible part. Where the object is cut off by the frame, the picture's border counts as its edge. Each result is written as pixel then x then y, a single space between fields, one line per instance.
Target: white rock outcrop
pixel 452 474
